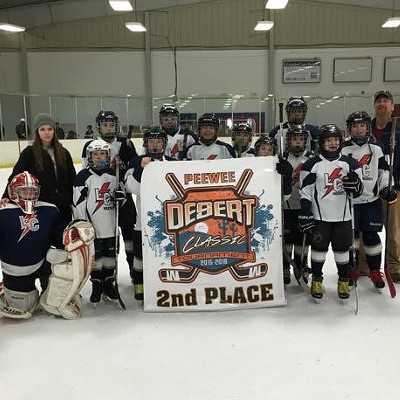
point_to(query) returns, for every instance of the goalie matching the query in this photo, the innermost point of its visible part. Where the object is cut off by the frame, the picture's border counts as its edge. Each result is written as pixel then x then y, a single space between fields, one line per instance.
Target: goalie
pixel 28 229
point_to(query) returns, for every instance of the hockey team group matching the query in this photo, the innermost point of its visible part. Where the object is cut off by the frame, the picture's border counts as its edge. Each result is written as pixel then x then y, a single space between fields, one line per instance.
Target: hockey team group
pixel 336 189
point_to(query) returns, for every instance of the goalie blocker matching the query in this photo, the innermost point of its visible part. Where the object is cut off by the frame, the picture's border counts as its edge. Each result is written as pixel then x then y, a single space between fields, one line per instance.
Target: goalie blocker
pixel 70 270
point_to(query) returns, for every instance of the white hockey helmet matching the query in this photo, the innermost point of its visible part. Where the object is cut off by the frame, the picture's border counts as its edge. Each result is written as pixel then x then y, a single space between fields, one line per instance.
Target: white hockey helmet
pixel 98 145
pixel 24 190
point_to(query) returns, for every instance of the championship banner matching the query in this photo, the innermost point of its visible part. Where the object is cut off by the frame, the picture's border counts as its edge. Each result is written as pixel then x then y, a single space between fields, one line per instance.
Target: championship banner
pixel 212 235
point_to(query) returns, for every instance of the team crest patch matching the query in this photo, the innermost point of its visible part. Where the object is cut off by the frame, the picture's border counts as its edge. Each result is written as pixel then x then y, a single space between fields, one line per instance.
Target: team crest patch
pixel 211 228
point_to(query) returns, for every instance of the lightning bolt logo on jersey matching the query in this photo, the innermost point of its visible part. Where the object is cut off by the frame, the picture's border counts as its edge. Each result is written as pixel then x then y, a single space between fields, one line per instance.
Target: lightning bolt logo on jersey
pixel 28 222
pixel 103 196
pixel 364 164
pixel 333 182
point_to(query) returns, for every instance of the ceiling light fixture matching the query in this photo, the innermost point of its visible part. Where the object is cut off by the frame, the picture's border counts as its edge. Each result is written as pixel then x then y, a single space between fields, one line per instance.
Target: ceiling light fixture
pixel 136 26
pixel 264 25
pixel 276 4
pixel 11 27
pixel 123 5
pixel 393 22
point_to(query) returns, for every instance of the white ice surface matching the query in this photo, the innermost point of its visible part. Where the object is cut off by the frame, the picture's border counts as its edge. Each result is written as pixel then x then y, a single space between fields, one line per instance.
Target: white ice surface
pixel 301 351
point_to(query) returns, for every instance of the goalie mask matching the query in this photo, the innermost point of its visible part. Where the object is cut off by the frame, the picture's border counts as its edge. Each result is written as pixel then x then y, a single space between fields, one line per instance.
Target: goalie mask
pixel 155 142
pixel 296 110
pixel 98 155
pixel 328 147
pixel 265 146
pixel 208 125
pixel 24 191
pixel 107 125
pixel 242 135
pixel 297 138
pixel 169 119
pixel 359 127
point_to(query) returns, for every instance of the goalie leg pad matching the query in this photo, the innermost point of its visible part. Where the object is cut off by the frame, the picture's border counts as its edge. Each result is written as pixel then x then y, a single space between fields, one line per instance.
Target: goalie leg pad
pixel 18 305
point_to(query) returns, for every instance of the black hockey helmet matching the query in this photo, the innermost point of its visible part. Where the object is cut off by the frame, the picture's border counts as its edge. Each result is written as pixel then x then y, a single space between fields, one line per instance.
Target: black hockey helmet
pixel 328 131
pixel 208 119
pixel 353 118
pixel 296 104
pixel 265 140
pixel 296 131
pixel 107 116
pixel 237 131
pixel 169 110
pixel 155 132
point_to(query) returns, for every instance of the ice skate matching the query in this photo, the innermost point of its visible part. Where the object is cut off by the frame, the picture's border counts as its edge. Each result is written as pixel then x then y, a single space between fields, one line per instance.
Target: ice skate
pixel 139 292
pixel 109 290
pixel 343 290
pixel 97 290
pixel 376 278
pixel 317 289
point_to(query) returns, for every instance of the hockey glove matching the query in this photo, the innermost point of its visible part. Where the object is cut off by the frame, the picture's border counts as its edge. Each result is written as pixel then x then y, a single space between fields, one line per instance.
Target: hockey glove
pixel 306 222
pixel 284 168
pixel 389 196
pixel 352 184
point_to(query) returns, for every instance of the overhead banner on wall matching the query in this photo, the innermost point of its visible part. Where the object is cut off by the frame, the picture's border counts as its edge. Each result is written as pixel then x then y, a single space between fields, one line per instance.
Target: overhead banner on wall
pixel 212 235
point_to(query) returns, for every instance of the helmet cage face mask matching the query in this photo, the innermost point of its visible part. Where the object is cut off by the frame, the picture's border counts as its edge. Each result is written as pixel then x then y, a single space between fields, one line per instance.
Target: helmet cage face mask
pixel 264 141
pixel 327 132
pixel 100 164
pixel 107 117
pixel 294 132
pixel 24 190
pixel 208 120
pixel 356 118
pixel 169 118
pixel 242 136
pixel 296 106
pixel 151 151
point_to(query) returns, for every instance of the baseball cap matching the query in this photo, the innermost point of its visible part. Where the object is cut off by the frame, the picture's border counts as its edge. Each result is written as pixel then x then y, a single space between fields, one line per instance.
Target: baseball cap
pixel 383 93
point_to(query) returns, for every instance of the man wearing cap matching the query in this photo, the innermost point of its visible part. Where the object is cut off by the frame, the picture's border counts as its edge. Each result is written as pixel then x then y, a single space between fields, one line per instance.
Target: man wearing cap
pixel 22 130
pixel 381 129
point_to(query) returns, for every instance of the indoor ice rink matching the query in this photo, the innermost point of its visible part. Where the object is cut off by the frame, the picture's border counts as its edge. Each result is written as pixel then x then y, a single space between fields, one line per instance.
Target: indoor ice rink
pixel 77 57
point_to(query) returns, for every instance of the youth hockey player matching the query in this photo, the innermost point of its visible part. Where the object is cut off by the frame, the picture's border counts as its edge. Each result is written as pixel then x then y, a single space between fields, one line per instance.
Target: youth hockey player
pixel 154 143
pixel 28 228
pixel 325 184
pixel 208 147
pixel 94 200
pixel 242 136
pixel 296 154
pixel 107 124
pixel 178 139
pixel 368 217
pixel 296 112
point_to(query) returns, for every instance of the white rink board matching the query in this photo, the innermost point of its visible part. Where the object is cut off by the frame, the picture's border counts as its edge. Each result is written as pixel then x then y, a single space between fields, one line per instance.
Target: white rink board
pixel 212 235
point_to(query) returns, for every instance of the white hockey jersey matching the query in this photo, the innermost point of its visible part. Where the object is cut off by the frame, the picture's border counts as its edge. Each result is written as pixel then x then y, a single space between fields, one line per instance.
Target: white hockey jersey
pixel 321 185
pixel 374 169
pixel 293 203
pixel 92 200
pixel 178 143
pixel 217 150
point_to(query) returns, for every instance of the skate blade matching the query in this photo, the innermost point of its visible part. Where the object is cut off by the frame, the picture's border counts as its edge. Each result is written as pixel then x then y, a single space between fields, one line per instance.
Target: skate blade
pixel 109 299
pixel 316 300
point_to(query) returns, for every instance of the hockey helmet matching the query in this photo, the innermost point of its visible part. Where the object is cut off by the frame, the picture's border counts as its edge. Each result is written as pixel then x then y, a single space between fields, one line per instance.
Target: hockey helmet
pixel 294 107
pixel 99 164
pixel 294 132
pixel 109 132
pixel 169 118
pixel 153 149
pixel 263 141
pixel 329 131
pixel 359 117
pixel 208 119
pixel 24 190
pixel 242 135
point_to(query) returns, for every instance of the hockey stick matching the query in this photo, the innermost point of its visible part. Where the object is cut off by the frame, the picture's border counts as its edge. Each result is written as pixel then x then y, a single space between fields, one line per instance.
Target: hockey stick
pixel 121 303
pixel 389 279
pixel 353 246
